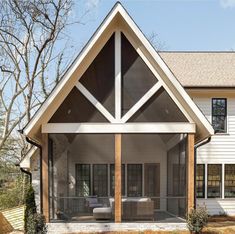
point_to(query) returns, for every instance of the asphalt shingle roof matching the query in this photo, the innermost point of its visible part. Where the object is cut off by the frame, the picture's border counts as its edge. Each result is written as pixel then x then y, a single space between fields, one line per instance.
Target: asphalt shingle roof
pixel 202 69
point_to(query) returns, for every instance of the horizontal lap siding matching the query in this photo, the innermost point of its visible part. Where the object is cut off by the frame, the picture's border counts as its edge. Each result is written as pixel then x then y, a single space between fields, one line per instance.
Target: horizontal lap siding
pixel 217 206
pixel 220 150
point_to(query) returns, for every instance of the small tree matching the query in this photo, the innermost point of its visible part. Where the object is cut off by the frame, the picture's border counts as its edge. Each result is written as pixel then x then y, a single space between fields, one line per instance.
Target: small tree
pixel 197 219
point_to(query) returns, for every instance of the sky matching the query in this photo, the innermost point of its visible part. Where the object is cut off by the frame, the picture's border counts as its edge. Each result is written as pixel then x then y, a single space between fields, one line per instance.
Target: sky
pixel 180 25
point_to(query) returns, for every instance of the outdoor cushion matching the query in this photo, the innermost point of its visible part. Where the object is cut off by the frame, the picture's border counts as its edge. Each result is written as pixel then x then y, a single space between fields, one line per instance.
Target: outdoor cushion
pixel 102 213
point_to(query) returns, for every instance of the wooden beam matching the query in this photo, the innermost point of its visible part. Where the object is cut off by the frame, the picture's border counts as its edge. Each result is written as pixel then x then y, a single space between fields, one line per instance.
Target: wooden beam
pixel 166 127
pixel 190 171
pixel 45 180
pixel 118 176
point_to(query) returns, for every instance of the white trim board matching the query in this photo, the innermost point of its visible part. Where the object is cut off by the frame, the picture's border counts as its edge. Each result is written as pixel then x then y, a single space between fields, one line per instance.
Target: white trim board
pixel 95 102
pixel 119 128
pixel 141 102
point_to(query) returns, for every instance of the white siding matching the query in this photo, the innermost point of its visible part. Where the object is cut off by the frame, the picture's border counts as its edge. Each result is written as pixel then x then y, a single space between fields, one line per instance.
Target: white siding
pixel 217 206
pixel 221 150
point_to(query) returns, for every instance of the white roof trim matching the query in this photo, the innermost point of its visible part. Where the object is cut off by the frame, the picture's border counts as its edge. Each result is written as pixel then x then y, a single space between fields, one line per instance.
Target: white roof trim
pixel 72 68
pixel 25 163
pixel 166 70
pixel 174 84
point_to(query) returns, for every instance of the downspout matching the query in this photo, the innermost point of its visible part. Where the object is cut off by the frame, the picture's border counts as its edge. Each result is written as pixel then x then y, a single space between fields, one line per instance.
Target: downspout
pixel 40 150
pixel 195 165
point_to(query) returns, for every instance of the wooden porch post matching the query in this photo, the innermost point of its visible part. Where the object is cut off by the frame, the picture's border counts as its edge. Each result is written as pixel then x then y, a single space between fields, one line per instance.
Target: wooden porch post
pixel 118 171
pixel 190 172
pixel 45 181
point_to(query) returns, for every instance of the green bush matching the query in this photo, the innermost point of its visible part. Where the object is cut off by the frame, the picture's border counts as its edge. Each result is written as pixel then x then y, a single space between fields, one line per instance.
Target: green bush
pixel 34 223
pixel 197 219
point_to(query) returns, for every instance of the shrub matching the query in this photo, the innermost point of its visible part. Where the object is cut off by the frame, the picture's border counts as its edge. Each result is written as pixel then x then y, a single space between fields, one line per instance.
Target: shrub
pixel 197 219
pixel 34 223
pixel 30 209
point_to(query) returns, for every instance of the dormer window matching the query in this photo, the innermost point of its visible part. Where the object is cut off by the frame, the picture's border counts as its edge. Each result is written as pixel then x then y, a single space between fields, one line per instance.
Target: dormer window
pixel 219 115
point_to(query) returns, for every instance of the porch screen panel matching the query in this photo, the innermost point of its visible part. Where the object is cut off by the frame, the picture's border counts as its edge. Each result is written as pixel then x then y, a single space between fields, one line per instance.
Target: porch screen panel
pixel 76 109
pixel 99 77
pixel 100 180
pixel 72 179
pixel 137 78
pixel 134 180
pixel 176 179
pixel 152 182
pixel 159 108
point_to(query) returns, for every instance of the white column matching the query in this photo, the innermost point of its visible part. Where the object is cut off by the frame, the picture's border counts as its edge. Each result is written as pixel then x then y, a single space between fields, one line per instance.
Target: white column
pixel 118 77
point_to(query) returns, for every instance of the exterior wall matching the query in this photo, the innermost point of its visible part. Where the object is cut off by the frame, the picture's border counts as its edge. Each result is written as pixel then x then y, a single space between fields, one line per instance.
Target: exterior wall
pixel 221 149
pixel 35 170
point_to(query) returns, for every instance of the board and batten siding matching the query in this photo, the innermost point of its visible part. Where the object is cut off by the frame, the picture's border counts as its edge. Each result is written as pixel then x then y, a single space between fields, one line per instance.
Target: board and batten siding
pixel 221 150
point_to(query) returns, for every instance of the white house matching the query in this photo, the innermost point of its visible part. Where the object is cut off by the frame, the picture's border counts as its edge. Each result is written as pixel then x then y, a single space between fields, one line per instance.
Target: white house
pixel 134 134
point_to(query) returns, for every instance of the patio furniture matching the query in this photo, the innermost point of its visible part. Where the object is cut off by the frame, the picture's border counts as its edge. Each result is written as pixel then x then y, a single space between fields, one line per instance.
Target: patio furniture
pixel 92 202
pixel 102 213
pixel 136 208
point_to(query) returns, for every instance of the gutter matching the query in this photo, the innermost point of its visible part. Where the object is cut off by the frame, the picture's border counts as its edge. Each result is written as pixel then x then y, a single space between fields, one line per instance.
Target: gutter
pixel 195 165
pixel 25 172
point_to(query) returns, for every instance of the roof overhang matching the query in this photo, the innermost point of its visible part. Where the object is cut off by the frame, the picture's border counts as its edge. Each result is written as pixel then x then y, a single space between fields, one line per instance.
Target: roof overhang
pixel 118 18
pixel 26 161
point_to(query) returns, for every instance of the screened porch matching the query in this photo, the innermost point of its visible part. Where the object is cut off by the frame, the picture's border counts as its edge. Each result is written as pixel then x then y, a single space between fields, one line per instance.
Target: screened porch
pixel 82 175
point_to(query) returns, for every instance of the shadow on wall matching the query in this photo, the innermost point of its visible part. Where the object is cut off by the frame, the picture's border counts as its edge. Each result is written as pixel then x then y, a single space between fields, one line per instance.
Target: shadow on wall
pixel 218 206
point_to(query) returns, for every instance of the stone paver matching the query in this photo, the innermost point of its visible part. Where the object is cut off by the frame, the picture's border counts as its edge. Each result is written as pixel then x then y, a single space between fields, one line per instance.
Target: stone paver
pixel 60 228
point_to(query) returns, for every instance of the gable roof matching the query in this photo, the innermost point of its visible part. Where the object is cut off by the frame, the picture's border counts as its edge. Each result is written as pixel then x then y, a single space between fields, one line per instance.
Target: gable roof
pixel 202 69
pixel 118 18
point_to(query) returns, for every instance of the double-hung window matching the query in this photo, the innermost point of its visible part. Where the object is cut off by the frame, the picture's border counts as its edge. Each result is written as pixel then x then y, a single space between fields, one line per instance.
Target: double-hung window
pixel 200 180
pixel 83 181
pixel 214 180
pixel 134 180
pixel 219 115
pixel 229 181
pixel 100 180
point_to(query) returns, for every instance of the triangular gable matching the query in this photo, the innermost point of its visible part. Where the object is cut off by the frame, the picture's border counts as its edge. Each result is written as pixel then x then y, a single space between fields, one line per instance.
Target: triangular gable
pixel 118 19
